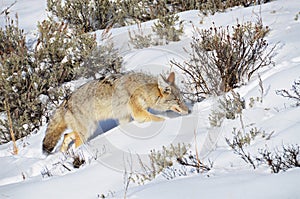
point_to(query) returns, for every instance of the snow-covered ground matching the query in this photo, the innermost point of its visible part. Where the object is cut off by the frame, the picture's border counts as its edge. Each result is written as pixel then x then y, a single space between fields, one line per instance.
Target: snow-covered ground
pixel 108 154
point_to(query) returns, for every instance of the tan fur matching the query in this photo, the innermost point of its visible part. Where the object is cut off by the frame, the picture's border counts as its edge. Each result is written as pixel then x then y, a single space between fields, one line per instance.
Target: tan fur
pixel 116 96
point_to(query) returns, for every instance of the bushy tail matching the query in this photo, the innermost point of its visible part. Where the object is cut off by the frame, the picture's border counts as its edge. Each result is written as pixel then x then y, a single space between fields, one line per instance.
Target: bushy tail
pixel 55 129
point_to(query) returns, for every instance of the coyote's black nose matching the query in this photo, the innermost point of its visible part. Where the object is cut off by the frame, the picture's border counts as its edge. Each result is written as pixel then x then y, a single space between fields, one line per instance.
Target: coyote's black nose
pixel 189 111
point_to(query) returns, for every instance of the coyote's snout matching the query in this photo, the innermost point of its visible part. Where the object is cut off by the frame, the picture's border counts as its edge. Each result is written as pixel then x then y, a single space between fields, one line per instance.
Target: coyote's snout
pixel 116 96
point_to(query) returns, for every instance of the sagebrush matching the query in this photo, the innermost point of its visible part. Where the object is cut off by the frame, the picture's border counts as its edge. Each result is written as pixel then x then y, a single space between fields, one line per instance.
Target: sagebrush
pixel 167 29
pixel 101 14
pixel 61 50
pixel 223 58
pixel 158 162
pixel 32 78
pixel 228 108
pixel 91 15
pixel 20 85
pixel 170 162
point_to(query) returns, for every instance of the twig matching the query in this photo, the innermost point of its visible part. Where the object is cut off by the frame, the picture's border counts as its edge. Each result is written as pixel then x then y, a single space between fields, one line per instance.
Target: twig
pixel 15 148
pixel 6 9
pixel 65 166
pixel 127 177
pixel 196 150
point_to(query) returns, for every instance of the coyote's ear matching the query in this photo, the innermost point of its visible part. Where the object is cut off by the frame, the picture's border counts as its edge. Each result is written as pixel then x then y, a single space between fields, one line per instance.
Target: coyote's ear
pixel 163 86
pixel 171 78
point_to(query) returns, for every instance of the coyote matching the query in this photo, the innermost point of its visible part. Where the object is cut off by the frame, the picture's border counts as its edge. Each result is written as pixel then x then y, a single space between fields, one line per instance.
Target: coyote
pixel 116 96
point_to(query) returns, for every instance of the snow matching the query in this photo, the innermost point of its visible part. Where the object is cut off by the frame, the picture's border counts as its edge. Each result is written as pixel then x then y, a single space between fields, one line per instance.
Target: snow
pixel 108 153
pixel 230 185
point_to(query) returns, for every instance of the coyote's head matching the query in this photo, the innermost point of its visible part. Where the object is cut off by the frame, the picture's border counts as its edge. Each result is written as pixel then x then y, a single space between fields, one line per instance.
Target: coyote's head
pixel 170 96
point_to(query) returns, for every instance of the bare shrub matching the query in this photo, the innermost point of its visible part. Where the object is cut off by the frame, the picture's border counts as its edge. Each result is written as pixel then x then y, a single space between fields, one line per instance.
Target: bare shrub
pixel 281 160
pixel 224 58
pixel 46 173
pixel 242 139
pixel 192 160
pixel 294 94
pixel 238 144
pixel 297 16
pixel 78 159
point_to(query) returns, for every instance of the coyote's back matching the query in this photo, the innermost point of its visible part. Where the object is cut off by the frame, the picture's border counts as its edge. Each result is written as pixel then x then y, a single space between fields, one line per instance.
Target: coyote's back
pixel 116 96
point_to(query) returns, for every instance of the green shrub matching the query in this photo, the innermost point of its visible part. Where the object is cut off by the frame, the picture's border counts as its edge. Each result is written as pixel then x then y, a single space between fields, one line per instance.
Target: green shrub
pixel 30 77
pixel 61 51
pixel 101 14
pixel 20 85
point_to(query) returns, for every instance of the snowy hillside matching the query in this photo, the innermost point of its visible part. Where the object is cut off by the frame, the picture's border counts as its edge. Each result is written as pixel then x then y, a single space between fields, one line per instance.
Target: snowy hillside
pixel 110 156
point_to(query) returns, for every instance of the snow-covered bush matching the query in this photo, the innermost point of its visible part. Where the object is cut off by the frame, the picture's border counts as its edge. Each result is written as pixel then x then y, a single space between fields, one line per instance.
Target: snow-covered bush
pixel 101 14
pixel 158 162
pixel 20 85
pixel 85 14
pixel 104 59
pixel 61 51
pixel 228 108
pixel 139 39
pixel 91 15
pixel 170 162
pixel 165 28
pixel 224 58
pixel 30 77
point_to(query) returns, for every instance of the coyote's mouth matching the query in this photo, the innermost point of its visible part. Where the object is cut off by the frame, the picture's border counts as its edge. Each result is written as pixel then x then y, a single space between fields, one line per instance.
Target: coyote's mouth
pixel 179 110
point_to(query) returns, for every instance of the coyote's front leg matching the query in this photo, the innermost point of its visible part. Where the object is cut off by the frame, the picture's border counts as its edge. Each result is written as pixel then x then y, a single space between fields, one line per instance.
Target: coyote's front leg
pixel 141 115
pixel 70 137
